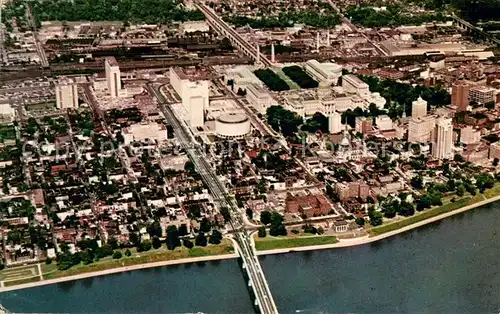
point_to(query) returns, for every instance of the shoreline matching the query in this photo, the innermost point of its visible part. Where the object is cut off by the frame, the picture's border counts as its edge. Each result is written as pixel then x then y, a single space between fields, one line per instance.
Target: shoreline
pixel 341 244
pixel 120 270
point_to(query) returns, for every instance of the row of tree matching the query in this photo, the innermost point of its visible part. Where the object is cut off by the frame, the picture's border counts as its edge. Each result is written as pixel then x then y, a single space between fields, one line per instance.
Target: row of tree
pixel 299 76
pixel 144 11
pixel 272 80
pixel 392 16
pixel 287 19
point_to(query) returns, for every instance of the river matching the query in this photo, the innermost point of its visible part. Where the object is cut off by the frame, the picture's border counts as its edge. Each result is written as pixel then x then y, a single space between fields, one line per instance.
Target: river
pixel 445 267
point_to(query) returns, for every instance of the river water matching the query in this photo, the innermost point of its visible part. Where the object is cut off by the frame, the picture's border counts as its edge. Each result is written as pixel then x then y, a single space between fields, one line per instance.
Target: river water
pixel 450 266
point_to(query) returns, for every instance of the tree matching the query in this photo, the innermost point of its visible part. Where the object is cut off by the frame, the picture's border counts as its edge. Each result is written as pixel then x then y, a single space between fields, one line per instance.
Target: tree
pixel 135 239
pixel 249 212
pixel 320 230
pixel 375 217
pixel 182 231
pixel 128 253
pixel 458 158
pixel 224 211
pixel 154 229
pixel 172 239
pixel 277 228
pixel 156 242
pixel 215 237
pixel 189 167
pixel 117 255
pixel 495 162
pixel 201 239
pixel 205 225
pixel 461 190
pixel 417 182
pixel 144 246
pixel 262 232
pixel 113 242
pixel 265 217
pixel 188 244
pixel 360 221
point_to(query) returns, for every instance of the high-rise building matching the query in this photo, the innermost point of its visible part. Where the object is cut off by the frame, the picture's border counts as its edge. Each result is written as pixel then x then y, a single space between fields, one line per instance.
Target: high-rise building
pixel 194 94
pixel 420 130
pixel 335 123
pixel 66 93
pixel 443 145
pixel 460 95
pixel 419 108
pixel 113 77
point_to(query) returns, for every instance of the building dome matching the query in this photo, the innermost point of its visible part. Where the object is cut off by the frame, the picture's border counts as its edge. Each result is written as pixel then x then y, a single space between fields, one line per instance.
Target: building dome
pixel 232 125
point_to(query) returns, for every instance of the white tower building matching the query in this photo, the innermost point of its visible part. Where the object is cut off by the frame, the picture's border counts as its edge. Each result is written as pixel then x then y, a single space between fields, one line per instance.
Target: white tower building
pixel 66 94
pixel 113 76
pixel 335 123
pixel 419 108
pixel 443 146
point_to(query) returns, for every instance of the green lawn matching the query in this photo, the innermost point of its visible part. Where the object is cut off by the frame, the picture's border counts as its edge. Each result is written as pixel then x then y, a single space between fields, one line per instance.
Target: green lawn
pixel 152 256
pixel 424 215
pixel 49 105
pixel 285 78
pixel 269 242
pixel 18 272
pixel 494 191
pixel 21 281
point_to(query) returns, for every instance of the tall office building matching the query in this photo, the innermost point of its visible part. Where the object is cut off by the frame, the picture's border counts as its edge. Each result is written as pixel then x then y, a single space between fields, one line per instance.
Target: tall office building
pixel 194 94
pixel 66 93
pixel 419 108
pixel 460 95
pixel 113 77
pixel 335 123
pixel 443 145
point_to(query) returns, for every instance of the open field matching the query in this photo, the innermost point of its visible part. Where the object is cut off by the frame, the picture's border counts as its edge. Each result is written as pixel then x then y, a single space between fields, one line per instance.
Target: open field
pixel 270 242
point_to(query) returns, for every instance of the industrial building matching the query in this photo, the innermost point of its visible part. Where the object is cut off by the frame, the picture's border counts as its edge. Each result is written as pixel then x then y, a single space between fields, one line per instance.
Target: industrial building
pixel 66 93
pixel 232 125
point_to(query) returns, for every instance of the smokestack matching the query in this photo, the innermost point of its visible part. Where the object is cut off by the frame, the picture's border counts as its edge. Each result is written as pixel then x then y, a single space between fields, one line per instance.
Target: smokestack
pixel 317 41
pixel 257 60
pixel 272 52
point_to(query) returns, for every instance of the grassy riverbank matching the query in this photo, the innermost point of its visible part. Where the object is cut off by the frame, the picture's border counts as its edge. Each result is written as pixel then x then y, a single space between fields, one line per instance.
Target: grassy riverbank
pixel 271 243
pixel 162 254
pixel 436 211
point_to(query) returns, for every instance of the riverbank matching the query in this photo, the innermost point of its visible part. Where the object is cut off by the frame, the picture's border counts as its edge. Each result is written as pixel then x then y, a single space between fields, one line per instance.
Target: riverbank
pixel 339 244
pixel 369 239
pixel 120 270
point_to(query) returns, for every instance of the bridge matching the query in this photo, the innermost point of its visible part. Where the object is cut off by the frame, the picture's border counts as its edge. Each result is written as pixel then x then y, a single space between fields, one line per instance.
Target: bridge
pixel 236 39
pixel 463 24
pixel 264 301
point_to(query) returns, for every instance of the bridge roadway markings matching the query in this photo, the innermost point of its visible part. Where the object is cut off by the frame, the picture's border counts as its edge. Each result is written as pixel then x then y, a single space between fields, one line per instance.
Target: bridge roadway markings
pixel 259 283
